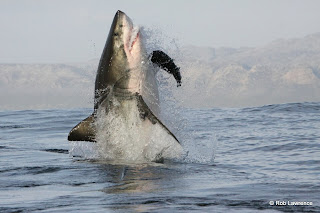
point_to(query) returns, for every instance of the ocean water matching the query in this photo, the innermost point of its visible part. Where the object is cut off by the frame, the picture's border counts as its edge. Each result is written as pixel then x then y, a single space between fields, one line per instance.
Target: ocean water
pixel 239 160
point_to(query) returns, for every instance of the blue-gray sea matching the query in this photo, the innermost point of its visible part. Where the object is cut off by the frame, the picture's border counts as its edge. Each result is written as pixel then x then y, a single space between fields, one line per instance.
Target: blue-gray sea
pixel 239 160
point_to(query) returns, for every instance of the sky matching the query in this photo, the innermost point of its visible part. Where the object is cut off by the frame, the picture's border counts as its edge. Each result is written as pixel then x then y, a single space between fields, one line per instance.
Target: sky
pixel 62 31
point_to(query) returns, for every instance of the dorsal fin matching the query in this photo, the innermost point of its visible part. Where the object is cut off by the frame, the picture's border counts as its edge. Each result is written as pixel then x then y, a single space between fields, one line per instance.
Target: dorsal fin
pixel 83 131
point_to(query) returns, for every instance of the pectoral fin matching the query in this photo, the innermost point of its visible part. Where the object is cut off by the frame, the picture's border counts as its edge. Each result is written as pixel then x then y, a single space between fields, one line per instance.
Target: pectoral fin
pixel 84 131
pixel 145 112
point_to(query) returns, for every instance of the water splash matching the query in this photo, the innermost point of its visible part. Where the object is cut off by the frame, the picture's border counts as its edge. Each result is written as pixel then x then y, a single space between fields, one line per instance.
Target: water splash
pixel 84 150
pixel 123 135
pixel 173 112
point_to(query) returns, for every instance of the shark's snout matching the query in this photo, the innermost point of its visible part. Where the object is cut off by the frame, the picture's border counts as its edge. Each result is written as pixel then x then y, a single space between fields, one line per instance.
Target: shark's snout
pixel 119 12
pixel 125 34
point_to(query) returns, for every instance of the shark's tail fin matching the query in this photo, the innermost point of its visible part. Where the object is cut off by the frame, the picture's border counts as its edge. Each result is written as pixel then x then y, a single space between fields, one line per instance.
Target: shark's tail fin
pixel 83 131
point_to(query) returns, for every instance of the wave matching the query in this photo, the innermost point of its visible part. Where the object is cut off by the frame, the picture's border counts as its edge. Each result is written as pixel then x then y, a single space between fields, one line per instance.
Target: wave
pixel 305 107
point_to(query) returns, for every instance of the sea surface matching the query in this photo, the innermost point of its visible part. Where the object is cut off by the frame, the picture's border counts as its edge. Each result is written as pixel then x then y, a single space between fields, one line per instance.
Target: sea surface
pixel 238 160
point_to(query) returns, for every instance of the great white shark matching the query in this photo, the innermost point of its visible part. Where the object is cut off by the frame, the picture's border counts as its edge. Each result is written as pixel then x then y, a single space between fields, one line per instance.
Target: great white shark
pixel 125 120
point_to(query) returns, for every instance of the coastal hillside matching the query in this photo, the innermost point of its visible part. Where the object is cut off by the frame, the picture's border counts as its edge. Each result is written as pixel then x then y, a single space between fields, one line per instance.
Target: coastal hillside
pixel 280 72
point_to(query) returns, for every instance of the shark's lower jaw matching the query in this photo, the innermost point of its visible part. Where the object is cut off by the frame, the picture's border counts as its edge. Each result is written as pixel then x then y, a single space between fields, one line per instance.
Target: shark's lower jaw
pixel 123 94
pixel 126 92
pixel 129 83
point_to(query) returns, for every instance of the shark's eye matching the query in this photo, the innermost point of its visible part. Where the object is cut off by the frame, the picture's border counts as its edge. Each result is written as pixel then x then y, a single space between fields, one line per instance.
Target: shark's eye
pixel 121 25
pixel 116 34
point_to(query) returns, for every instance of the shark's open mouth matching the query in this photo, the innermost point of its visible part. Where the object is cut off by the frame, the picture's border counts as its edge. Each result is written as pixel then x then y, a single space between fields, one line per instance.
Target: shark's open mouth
pixel 135 32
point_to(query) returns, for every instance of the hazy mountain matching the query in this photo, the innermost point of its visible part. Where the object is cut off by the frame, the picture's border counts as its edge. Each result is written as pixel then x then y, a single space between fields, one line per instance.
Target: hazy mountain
pixel 282 71
pixel 28 86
